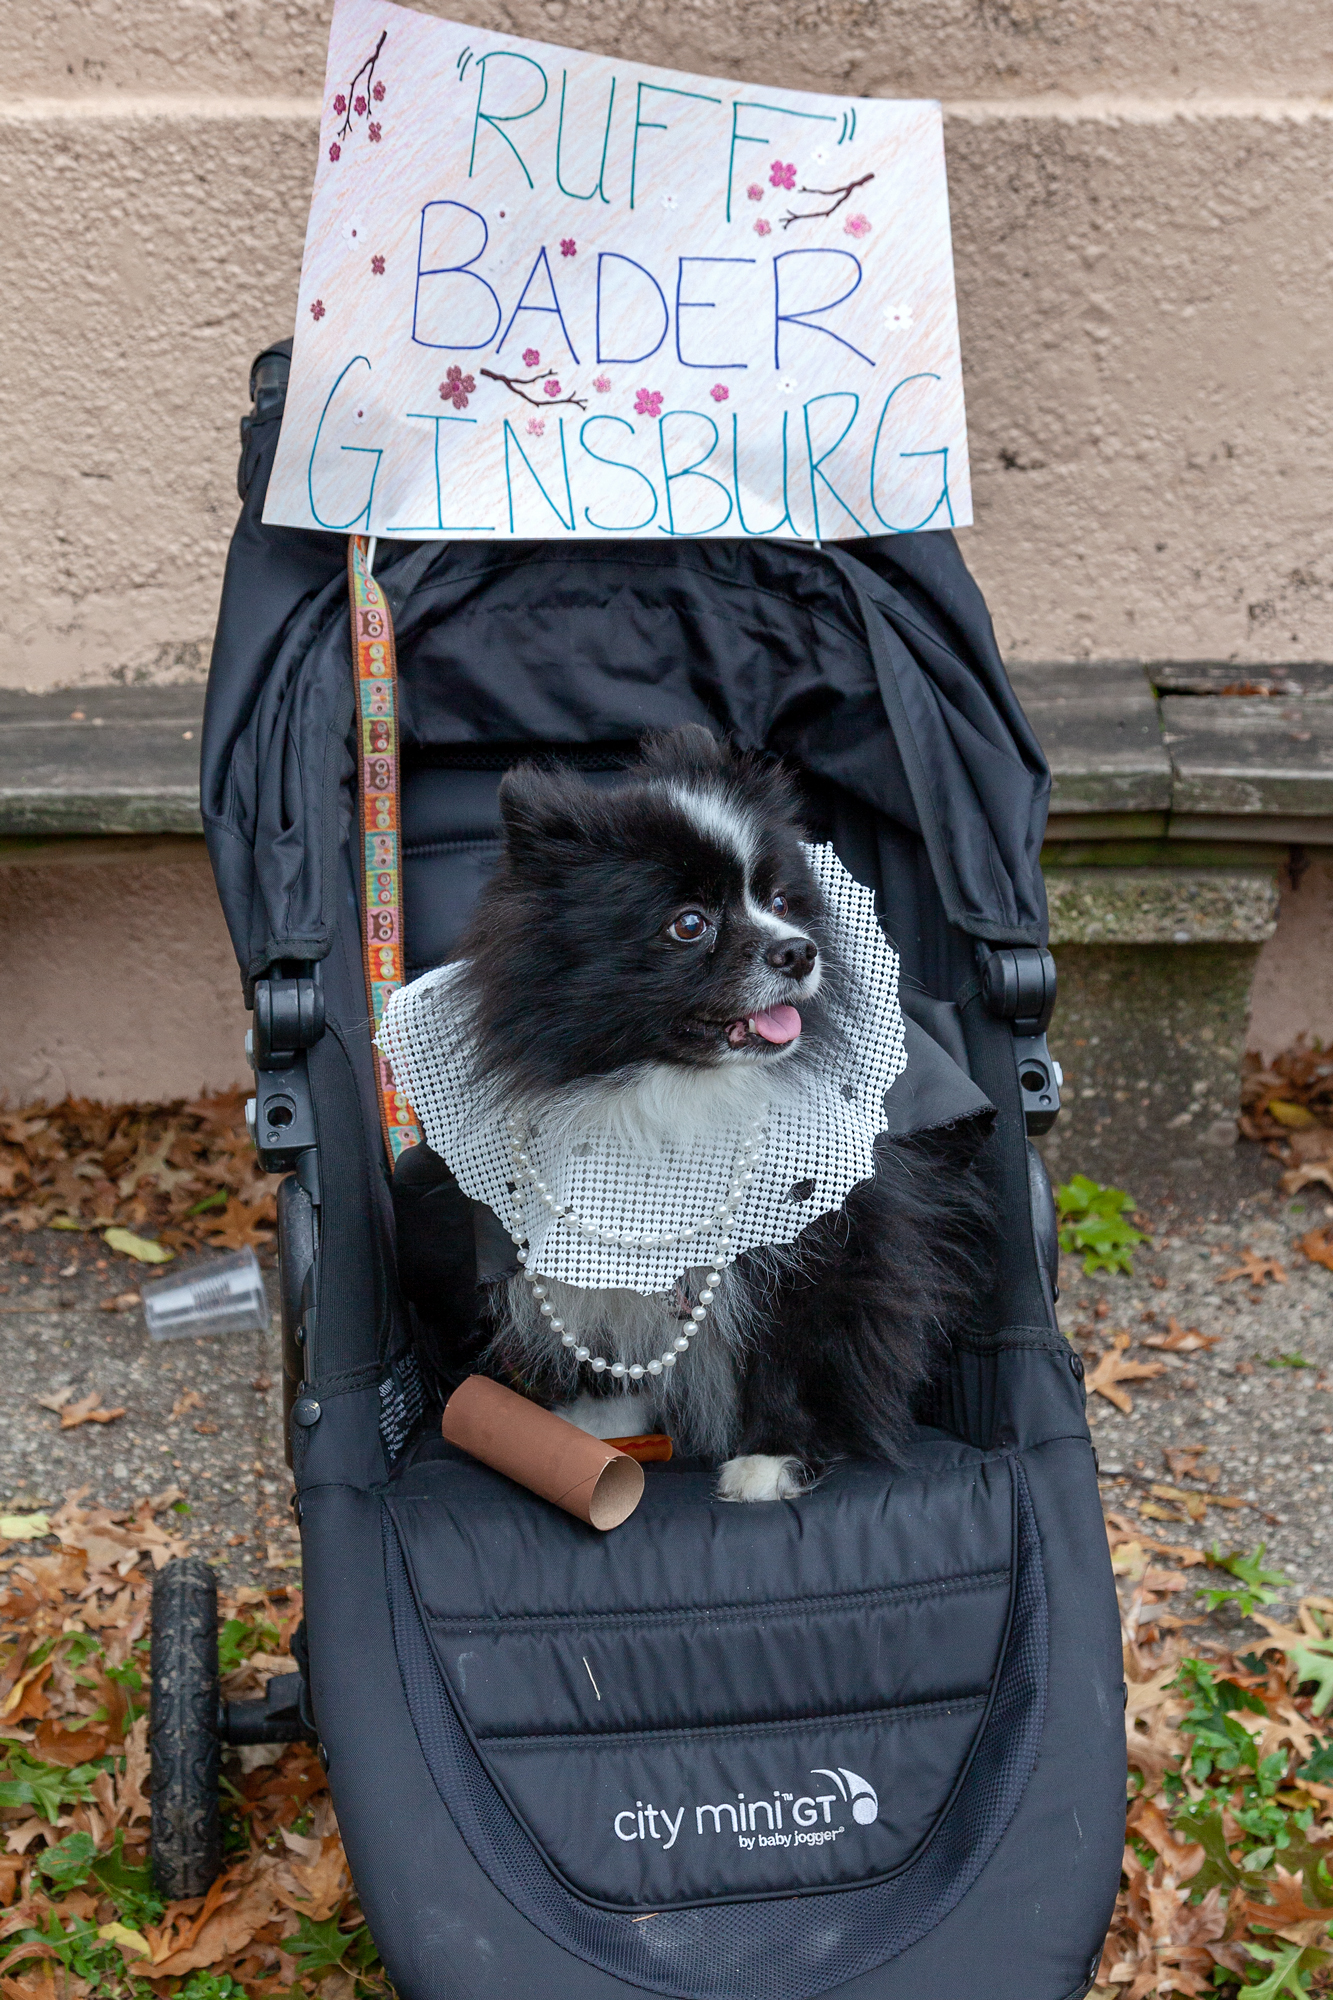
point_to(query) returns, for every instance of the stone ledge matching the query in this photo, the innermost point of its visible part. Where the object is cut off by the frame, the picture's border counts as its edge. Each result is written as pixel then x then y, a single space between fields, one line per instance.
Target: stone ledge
pixel 1218 751
pixel 1147 905
pixel 1237 768
pixel 106 760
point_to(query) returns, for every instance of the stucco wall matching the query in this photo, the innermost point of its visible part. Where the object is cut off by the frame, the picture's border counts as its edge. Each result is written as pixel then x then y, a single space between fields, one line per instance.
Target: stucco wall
pixel 1141 197
pixel 117 979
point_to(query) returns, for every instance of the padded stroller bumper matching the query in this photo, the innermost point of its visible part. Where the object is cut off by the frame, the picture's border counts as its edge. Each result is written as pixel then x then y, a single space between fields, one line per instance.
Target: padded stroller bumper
pixel 995 1748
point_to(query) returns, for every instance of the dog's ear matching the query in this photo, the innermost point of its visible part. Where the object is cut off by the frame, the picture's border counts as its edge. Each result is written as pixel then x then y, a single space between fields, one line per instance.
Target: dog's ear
pixel 538 806
pixel 689 752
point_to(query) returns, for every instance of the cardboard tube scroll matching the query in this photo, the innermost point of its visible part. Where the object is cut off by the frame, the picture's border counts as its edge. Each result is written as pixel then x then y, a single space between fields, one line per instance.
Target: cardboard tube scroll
pixel 585 1475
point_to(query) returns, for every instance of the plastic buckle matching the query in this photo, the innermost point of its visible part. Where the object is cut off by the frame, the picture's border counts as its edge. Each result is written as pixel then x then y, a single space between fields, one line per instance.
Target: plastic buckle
pixel 1018 984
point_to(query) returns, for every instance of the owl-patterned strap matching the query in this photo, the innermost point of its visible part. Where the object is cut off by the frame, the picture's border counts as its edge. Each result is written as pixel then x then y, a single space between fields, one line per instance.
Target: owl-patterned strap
pixel 381 837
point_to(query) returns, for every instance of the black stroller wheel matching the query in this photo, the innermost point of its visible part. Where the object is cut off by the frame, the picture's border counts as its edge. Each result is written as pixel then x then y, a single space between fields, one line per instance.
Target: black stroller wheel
pixel 184 1729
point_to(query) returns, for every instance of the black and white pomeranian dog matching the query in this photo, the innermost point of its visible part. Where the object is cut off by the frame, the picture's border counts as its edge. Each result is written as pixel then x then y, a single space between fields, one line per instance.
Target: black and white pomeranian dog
pixel 652 954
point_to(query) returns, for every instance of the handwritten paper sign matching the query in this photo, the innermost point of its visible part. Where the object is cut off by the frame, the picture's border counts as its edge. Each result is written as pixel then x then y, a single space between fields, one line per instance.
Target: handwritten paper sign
pixel 550 294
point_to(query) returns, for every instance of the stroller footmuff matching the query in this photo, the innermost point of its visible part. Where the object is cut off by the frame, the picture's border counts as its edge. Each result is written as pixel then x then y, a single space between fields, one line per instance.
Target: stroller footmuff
pixel 866 1742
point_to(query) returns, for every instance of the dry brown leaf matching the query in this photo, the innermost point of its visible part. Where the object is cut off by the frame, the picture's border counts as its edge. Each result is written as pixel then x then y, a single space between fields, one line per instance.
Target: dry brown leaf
pixel 238 1904
pixel 1318 1247
pixel 317 1887
pixel 1181 1339
pixel 25 1698
pixel 1165 1582
pixel 89 1411
pixel 1183 1857
pixel 1113 1369
pixel 242 1225
pixel 1184 1462
pixel 188 1399
pixel 1255 1268
pixel 1290 1914
pixel 1306 1175
pixel 131 1801
pixel 56 1744
pixel 1153 1749
pixel 1145 1696
pixel 1195 1505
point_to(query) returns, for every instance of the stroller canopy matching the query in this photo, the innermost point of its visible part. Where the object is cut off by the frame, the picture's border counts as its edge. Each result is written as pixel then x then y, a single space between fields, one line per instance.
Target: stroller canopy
pixel 874 667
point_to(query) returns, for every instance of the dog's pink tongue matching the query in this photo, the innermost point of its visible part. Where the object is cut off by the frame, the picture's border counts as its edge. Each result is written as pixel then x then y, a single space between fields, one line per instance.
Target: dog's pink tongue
pixel 779 1024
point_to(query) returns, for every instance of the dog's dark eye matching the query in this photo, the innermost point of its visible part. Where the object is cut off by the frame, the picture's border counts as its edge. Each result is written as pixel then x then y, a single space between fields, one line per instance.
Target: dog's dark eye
pixel 690 926
pixel 779 905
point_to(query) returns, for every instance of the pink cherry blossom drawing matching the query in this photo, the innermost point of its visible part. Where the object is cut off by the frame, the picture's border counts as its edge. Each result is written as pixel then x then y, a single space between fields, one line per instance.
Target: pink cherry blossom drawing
pixel 531 358
pixel 719 392
pixel 373 133
pixel 552 387
pixel 317 310
pixel 536 427
pixel 357 97
pixel 601 383
pixel 857 225
pixel 754 192
pixel 648 403
pixel 456 388
pixel 377 266
pixel 335 151
pixel 568 247
pixel 782 174
pixel 763 228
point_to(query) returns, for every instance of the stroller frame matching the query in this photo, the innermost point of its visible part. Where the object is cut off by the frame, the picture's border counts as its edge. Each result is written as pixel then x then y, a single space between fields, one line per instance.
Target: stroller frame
pixel 467 1890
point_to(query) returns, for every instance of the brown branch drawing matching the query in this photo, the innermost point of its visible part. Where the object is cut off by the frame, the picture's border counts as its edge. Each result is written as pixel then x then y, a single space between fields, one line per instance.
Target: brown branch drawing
pixel 521 385
pixel 367 70
pixel 817 214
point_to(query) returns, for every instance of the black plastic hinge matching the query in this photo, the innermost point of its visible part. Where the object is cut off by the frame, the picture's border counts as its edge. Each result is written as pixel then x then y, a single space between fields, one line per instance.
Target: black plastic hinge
pixel 289 1019
pixel 289 1016
pixel 1018 985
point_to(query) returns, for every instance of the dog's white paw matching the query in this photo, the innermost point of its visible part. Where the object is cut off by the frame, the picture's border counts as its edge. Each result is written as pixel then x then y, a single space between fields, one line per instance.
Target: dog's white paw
pixel 760 1476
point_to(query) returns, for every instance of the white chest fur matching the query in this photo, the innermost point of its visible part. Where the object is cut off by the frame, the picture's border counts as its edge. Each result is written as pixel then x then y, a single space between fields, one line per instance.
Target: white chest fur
pixel 695 1402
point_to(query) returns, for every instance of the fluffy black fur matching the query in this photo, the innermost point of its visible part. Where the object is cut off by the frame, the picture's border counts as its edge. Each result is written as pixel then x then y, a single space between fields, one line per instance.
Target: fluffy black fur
pixel 576 976
pixel 571 973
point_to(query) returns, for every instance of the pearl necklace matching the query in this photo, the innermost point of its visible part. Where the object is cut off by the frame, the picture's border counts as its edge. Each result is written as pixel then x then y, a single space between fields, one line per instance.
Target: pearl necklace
pixel 717 1224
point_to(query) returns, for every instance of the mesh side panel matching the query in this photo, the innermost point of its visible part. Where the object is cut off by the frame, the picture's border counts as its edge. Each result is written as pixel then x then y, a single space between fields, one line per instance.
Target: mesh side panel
pixel 775 1948
pixel 400 1394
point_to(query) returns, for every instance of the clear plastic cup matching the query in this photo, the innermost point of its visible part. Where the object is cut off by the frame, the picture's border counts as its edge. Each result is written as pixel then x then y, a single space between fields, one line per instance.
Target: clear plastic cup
pixel 225 1295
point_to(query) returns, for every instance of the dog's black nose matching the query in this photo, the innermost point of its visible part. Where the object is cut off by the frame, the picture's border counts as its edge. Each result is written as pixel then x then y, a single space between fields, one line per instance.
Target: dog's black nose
pixel 794 955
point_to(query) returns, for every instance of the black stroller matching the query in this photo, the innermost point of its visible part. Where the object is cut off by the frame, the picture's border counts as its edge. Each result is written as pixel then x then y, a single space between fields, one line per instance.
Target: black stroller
pixel 867 1743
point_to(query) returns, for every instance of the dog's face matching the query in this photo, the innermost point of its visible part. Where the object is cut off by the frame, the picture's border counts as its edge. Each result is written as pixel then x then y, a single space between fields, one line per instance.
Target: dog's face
pixel 670 919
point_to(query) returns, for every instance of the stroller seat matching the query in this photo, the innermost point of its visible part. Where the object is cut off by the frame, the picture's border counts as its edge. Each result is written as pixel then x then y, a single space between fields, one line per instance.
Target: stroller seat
pixel 868 1742
pixel 742 1701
